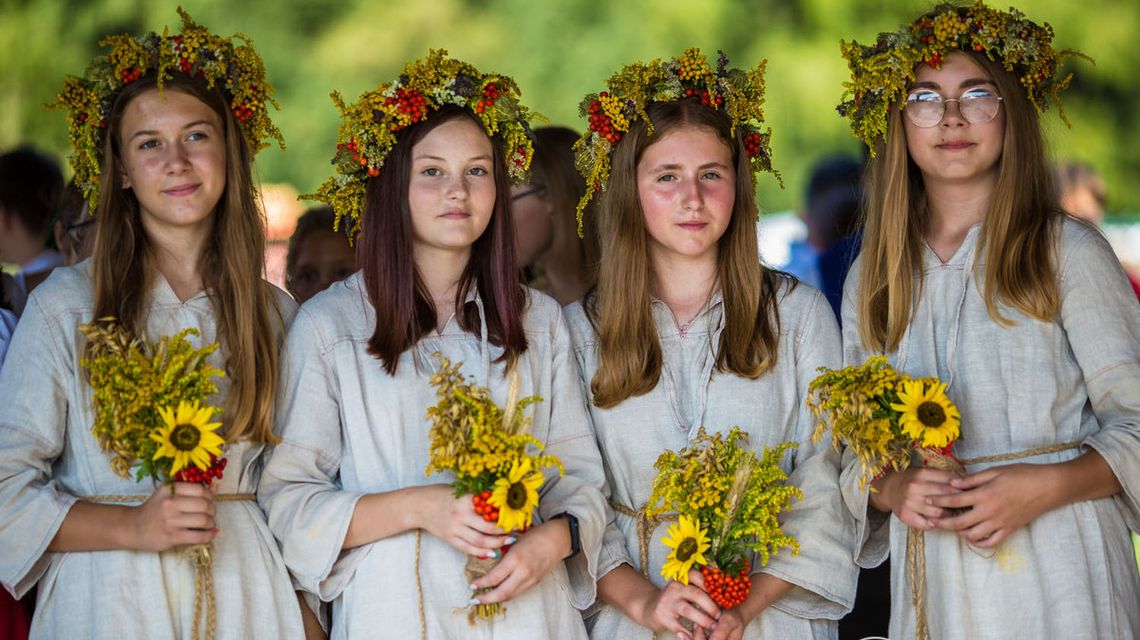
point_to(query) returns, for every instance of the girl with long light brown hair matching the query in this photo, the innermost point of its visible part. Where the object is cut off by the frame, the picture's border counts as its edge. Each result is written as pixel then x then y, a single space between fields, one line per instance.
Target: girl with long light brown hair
pixel 970 272
pixel 687 329
pixel 167 162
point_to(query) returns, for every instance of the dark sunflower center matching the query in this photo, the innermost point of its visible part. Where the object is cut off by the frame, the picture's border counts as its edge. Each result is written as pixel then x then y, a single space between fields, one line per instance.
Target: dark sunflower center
pixel 686 549
pixel 931 414
pixel 185 437
pixel 516 495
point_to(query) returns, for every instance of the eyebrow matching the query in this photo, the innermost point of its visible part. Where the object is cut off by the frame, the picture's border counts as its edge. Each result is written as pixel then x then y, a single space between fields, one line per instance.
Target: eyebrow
pixel 675 167
pixel 189 125
pixel 442 159
pixel 965 84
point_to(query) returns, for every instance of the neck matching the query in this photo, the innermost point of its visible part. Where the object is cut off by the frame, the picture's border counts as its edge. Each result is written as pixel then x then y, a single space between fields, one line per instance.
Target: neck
pixel 177 255
pixel 684 284
pixel 440 271
pixel 952 209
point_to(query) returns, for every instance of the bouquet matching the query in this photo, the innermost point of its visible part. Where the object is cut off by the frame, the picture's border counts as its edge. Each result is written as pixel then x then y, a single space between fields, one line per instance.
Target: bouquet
pixel 486 447
pixel 728 501
pixel 151 416
pixel 884 417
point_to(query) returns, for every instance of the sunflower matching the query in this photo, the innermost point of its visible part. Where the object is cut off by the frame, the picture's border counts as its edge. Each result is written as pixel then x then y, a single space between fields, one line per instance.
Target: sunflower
pixel 516 496
pixel 188 436
pixel 689 543
pixel 928 416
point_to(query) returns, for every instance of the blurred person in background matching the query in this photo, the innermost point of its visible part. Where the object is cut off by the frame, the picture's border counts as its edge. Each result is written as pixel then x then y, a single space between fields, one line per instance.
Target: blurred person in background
pixel 30 187
pixel 74 229
pixel 555 260
pixel 318 255
pixel 1081 193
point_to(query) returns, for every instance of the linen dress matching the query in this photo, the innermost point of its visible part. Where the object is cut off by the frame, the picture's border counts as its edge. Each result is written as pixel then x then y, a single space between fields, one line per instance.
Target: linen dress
pixel 350 429
pixel 49 459
pixel 1071 572
pixel 691 394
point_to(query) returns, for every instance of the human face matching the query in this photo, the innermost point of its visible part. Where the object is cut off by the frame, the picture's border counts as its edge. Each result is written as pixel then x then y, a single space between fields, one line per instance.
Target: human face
pixel 956 151
pixel 174 159
pixel 687 187
pixel 533 213
pixel 451 192
pixel 323 257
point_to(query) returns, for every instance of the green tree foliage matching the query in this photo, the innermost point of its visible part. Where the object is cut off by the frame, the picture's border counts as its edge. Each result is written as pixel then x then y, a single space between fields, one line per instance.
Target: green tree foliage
pixel 558 52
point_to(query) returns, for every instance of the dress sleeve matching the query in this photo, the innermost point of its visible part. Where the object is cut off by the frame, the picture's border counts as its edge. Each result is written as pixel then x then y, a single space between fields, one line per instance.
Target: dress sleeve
pixel 872 527
pixel 579 491
pixel 823 572
pixel 1102 320
pixel 306 507
pixel 33 423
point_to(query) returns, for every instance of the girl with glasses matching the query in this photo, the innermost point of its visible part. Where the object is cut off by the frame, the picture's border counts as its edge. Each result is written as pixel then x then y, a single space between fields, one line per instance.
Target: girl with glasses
pixel 970 272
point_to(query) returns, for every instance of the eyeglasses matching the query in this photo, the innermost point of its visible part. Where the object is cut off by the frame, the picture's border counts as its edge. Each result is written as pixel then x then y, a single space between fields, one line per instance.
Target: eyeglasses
pixel 925 108
pixel 78 230
pixel 533 190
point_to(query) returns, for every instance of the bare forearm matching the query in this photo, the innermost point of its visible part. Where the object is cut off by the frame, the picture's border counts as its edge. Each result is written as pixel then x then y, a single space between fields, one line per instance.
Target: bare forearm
pixel 382 515
pixel 1085 478
pixel 89 526
pixel 628 591
pixel 766 589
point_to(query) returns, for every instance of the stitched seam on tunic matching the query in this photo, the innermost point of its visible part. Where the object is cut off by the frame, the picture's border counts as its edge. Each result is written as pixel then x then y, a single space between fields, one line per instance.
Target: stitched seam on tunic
pixel 46 444
pixel 1107 369
pixel 572 438
pixel 319 452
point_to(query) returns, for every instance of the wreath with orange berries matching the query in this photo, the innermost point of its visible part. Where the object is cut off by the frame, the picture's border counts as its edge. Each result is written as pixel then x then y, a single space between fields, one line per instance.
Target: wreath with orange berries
pixel 367 133
pixel 231 63
pixel 881 74
pixel 612 112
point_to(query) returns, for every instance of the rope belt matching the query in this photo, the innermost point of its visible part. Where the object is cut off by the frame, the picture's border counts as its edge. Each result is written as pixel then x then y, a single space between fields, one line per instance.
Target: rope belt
pixel 645 528
pixel 201 555
pixel 916 538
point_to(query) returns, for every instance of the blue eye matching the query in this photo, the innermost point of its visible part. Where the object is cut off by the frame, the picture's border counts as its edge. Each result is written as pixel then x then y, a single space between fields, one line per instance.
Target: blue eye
pixel 197 135
pixel 148 144
pixel 668 177
pixel 477 171
pixel 431 171
pixel 711 175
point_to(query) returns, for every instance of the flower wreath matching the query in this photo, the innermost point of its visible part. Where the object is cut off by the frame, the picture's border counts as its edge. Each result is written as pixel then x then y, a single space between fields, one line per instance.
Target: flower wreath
pixel 367 133
pixel 612 112
pixel 234 66
pixel 881 74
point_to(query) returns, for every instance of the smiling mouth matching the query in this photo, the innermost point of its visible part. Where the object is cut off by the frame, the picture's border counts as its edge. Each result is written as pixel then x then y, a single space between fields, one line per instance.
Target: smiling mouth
pixel 183 190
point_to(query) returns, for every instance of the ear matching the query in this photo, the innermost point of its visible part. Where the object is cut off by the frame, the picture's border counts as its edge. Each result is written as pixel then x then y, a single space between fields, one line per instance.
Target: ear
pixel 124 179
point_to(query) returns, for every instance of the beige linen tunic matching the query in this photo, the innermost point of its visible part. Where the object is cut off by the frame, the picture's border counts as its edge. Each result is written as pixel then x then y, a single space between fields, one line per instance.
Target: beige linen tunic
pixel 1071 572
pixel 49 459
pixel 350 429
pixel 691 394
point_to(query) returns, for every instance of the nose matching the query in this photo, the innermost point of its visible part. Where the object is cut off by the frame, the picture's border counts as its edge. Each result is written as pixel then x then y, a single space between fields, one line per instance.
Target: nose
pixel 457 187
pixel 691 198
pixel 952 118
pixel 177 158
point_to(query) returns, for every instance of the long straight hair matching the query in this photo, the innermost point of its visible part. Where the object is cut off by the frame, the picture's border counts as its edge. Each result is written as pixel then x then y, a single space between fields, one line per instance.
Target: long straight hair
pixel 630 355
pixel 405 312
pixel 250 325
pixel 1016 262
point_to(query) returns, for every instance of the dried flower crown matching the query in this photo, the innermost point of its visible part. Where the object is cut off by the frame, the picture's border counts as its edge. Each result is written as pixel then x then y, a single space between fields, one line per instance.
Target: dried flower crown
pixel 611 113
pixel 225 62
pixel 367 133
pixel 882 74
